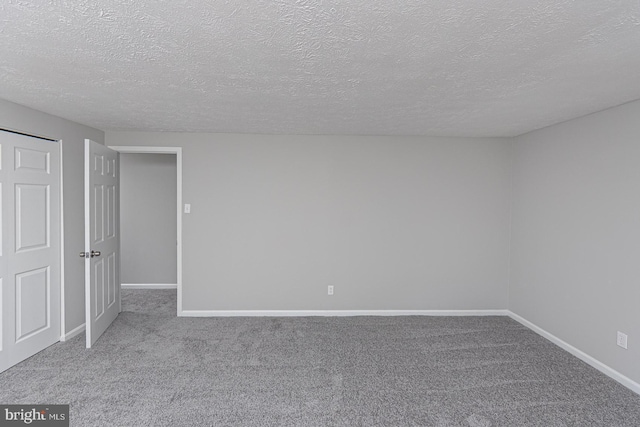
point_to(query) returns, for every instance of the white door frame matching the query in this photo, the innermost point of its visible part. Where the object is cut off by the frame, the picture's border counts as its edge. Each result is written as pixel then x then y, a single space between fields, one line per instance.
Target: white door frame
pixel 178 152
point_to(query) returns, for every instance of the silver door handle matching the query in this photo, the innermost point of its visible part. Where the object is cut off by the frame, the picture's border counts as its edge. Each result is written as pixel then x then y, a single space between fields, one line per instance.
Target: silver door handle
pixel 95 253
pixel 84 254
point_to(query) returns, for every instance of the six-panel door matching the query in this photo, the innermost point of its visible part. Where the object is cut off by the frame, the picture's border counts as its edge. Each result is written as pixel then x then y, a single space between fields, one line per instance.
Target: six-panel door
pixel 30 246
pixel 102 281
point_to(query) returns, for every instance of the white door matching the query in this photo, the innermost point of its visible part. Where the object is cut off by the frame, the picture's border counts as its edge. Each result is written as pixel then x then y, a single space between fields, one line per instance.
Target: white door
pixel 102 238
pixel 30 249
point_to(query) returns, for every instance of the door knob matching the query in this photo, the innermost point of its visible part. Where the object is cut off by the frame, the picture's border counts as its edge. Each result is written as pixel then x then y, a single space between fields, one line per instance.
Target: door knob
pixel 84 254
pixel 95 253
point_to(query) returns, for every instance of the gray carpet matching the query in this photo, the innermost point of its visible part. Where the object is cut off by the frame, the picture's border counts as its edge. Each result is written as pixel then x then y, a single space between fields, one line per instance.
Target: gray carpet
pixel 153 369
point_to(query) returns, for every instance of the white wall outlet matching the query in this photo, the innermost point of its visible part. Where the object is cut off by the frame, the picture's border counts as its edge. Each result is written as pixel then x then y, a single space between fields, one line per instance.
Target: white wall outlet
pixel 330 290
pixel 187 208
pixel 622 340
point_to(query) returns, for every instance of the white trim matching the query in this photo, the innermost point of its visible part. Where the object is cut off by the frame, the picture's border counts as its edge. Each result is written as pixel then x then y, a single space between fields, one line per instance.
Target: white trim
pixel 179 225
pixel 119 232
pixel 338 313
pixel 608 371
pixel 63 321
pixel 87 242
pixel 178 152
pixel 149 286
pixel 76 331
pixel 143 149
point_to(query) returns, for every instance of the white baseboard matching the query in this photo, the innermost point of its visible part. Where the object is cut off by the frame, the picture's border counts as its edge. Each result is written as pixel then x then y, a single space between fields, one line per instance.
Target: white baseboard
pixel 610 372
pixel 149 286
pixel 72 333
pixel 338 313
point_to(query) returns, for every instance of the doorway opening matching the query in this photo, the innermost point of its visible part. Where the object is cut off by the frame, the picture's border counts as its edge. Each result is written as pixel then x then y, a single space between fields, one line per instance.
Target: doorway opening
pixel 151 232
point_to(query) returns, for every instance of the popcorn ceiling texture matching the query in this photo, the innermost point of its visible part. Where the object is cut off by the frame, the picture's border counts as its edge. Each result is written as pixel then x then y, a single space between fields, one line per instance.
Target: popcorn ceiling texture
pixel 405 67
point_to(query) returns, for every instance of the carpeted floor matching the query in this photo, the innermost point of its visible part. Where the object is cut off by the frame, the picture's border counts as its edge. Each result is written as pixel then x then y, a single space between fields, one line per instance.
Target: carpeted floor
pixel 154 369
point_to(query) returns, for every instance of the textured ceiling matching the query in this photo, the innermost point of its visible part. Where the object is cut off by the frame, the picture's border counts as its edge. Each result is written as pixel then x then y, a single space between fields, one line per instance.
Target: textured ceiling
pixel 404 67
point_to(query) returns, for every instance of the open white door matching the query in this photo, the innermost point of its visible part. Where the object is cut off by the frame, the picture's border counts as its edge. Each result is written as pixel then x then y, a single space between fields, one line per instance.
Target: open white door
pixel 30 246
pixel 102 238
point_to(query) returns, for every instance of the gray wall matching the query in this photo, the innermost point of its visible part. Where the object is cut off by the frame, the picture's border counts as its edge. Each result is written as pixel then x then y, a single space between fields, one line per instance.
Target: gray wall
pixel 392 223
pixel 575 265
pixel 19 118
pixel 148 218
pixel 401 223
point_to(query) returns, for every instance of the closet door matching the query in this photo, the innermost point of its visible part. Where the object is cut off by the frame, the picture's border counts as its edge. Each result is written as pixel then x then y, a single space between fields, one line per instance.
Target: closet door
pixel 30 249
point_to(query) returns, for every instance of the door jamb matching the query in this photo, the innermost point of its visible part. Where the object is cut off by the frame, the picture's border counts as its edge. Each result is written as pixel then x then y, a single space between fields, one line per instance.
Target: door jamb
pixel 178 152
pixel 63 313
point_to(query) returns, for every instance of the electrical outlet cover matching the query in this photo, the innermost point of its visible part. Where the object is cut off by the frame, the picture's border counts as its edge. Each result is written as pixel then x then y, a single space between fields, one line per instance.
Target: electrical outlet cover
pixel 622 340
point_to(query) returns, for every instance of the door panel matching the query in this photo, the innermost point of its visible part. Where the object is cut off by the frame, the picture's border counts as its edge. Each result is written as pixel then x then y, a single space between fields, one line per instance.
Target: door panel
pixel 111 211
pixel 32 297
pixel 30 241
pixel 111 280
pixel 98 286
pixel 102 281
pixel 32 217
